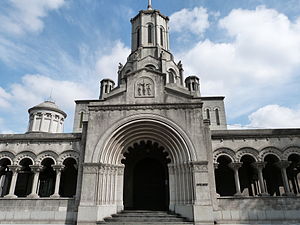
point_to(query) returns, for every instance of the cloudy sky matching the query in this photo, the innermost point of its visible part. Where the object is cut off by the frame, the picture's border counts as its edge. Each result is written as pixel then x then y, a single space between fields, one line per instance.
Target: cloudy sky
pixel 246 50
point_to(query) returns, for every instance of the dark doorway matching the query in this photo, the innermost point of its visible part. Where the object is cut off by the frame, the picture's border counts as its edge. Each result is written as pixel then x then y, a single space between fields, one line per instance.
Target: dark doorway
pixel 149 185
pixel 146 177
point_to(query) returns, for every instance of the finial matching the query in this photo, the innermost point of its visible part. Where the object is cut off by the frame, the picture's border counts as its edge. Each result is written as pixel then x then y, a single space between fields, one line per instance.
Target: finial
pixel 149 5
pixel 50 99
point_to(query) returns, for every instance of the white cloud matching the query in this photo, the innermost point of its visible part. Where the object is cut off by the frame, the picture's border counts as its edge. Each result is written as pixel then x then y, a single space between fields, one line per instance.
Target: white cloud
pixel 262 56
pixel 4 98
pixel 36 88
pixel 27 15
pixel 107 65
pixel 275 116
pixel 194 21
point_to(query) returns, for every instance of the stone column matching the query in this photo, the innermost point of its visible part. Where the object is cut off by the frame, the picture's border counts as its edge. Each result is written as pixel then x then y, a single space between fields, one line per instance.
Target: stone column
pixel 259 167
pixel 283 164
pixel 58 169
pixel 119 188
pixel 172 187
pixel 36 169
pixel 216 166
pixel 42 122
pixel 51 123
pixel 235 167
pixel 15 169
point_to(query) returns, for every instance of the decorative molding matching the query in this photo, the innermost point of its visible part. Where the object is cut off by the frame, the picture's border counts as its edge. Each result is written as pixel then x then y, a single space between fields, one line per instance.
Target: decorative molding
pixel 199 166
pixel 145 107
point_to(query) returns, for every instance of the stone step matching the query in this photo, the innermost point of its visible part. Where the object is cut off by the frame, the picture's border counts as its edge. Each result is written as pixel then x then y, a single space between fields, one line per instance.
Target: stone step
pixel 146 223
pixel 144 217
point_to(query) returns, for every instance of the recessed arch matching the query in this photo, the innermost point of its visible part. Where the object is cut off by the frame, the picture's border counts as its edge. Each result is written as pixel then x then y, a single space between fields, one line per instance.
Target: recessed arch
pixel 224 151
pixel 46 154
pixel 290 150
pixel 143 126
pixel 247 151
pixel 7 155
pixel 67 154
pixel 23 155
pixel 270 150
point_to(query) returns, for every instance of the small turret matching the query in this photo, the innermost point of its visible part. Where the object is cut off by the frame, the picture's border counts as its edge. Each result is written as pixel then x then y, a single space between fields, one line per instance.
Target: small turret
pixel 193 85
pixel 46 117
pixel 106 85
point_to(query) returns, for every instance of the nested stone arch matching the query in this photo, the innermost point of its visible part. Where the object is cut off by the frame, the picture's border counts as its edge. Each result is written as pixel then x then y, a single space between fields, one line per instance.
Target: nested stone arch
pixel 289 151
pixel 46 154
pixel 123 133
pixel 7 155
pixel 67 154
pixel 224 152
pixel 247 151
pixel 270 151
pixel 23 155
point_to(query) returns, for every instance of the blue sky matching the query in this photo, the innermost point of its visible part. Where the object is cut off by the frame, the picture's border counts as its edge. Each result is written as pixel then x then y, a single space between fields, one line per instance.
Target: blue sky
pixel 246 50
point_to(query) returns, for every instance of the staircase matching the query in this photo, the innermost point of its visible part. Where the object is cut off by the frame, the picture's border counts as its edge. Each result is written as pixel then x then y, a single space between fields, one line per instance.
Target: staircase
pixel 141 217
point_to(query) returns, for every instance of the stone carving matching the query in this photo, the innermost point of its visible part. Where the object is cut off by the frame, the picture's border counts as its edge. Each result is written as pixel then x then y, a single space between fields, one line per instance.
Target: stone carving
pixel 144 88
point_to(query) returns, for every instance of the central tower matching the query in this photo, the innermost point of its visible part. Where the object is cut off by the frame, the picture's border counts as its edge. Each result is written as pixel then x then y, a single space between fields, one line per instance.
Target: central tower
pixel 147 145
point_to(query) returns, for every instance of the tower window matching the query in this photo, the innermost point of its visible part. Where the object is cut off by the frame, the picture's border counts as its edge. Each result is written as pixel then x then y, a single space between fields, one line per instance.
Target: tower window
pixel 106 88
pixel 217 117
pixel 208 115
pixel 81 120
pixel 171 77
pixel 161 36
pixel 150 34
pixel 138 39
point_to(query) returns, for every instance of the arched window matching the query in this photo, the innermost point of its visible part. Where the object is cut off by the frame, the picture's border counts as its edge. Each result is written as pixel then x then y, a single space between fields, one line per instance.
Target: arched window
pixel 47 178
pixel 69 178
pixel 81 120
pixel 138 37
pixel 161 36
pixel 293 172
pixel 25 178
pixel 224 176
pixel 217 117
pixel 272 175
pixel 208 115
pixel 150 33
pixel 5 177
pixel 248 177
pixel 171 74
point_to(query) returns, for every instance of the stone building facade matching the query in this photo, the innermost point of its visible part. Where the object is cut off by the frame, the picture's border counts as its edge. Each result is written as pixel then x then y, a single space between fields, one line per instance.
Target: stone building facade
pixel 150 142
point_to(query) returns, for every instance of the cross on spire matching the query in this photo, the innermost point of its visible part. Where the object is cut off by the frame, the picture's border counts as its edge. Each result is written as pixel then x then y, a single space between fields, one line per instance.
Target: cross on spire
pixel 149 4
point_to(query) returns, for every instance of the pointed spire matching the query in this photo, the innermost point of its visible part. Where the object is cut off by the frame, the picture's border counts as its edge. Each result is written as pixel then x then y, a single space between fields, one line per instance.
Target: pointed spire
pixel 149 5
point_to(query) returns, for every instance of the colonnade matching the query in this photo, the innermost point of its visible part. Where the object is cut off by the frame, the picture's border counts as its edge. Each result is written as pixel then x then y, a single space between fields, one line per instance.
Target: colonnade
pixel 261 176
pixel 25 180
pixel 15 169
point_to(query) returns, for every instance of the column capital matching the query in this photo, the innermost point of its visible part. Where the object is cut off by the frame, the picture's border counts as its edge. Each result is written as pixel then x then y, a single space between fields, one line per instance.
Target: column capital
pixel 235 165
pixel 216 165
pixel 14 168
pixel 283 164
pixel 58 168
pixel 36 168
pixel 259 165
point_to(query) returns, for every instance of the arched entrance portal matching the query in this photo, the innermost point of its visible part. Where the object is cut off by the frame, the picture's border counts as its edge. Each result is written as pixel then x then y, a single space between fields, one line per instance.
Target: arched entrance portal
pixel 146 180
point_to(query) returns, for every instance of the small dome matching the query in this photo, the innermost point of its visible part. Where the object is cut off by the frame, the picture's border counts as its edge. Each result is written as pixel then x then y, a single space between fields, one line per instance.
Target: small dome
pixel 46 117
pixel 48 105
